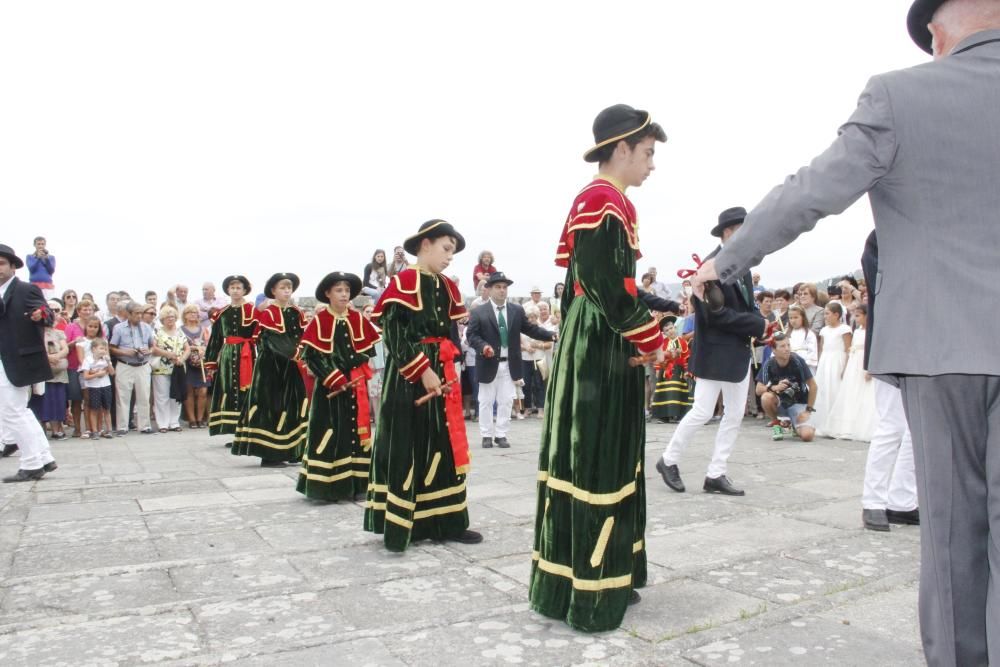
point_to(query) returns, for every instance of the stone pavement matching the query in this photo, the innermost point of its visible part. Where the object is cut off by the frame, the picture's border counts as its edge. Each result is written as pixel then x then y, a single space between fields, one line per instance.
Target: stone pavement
pixel 166 549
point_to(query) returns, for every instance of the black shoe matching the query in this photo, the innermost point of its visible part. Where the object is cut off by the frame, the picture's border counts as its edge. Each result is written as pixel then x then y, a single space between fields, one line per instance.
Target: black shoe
pixel 8 450
pixel 50 466
pixel 875 520
pixel 148 431
pixel 671 476
pixel 634 597
pixel 908 518
pixel 26 476
pixel 360 496
pixel 228 444
pixel 272 464
pixel 502 443
pixel 487 443
pixel 721 484
pixel 468 537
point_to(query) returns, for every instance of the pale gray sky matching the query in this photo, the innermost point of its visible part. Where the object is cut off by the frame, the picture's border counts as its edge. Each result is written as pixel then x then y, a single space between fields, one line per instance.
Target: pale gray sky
pixel 161 142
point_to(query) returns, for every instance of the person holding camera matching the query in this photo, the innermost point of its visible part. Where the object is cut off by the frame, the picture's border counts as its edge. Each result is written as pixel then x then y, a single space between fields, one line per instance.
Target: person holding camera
pixel 41 267
pixel 787 390
pixel 132 344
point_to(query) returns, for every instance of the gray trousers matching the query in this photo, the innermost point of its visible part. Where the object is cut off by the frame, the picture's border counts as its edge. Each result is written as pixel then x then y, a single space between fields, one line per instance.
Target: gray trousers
pixel 955 421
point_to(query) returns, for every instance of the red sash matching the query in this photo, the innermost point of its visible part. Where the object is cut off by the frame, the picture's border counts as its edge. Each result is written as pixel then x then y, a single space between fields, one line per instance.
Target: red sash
pixel 629 284
pixel 246 359
pixel 454 417
pixel 364 414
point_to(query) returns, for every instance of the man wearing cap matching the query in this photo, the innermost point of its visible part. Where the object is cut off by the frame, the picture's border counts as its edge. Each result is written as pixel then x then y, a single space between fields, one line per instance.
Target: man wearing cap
pixel 720 361
pixel 231 351
pixel 495 333
pixel 23 362
pixel 924 144
pixel 132 345
pixel 273 424
pixel 589 551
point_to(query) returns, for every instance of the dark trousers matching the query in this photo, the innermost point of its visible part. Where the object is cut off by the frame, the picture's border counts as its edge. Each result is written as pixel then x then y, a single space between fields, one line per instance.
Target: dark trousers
pixel 534 388
pixel 955 422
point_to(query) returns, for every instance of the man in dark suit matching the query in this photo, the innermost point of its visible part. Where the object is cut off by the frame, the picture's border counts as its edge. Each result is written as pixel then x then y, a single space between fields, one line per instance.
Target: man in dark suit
pixel 23 362
pixel 494 331
pixel 720 360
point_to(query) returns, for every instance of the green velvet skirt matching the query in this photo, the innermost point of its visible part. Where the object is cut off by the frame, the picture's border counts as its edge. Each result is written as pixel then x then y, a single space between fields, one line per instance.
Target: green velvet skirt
pixel 337 459
pixel 273 423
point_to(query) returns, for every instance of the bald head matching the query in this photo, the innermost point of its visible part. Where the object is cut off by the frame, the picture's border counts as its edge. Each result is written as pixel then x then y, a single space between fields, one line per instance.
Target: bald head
pixel 957 19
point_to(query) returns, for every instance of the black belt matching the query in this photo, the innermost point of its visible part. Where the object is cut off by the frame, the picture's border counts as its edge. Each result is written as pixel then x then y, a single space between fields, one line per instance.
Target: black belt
pixel 128 364
pixel 502 359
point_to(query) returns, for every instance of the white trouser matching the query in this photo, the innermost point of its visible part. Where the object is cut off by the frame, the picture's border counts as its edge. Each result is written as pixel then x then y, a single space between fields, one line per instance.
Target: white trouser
pixel 706 393
pixel 501 391
pixel 890 478
pixel 20 426
pixel 166 409
pixel 127 377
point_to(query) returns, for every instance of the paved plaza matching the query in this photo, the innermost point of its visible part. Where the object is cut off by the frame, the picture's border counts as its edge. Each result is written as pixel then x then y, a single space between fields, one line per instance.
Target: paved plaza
pixel 166 549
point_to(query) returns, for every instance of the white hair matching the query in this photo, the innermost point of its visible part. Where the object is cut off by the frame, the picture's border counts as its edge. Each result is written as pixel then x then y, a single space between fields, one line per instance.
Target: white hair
pixel 531 309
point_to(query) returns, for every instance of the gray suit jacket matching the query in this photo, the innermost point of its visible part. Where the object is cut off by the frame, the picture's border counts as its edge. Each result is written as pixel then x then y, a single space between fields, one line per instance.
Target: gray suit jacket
pixel 924 143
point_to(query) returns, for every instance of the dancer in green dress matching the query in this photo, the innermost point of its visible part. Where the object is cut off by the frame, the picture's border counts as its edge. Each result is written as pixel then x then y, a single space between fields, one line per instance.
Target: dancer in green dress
pixel 589 550
pixel 230 353
pixel 421 454
pixel 336 348
pixel 273 423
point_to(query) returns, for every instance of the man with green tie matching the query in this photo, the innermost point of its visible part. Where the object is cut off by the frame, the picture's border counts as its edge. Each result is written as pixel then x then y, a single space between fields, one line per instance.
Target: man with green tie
pixel 495 333
pixel 721 356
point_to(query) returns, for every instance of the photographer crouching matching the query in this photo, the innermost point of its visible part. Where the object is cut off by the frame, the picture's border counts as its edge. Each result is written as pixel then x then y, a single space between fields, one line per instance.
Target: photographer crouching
pixel 787 390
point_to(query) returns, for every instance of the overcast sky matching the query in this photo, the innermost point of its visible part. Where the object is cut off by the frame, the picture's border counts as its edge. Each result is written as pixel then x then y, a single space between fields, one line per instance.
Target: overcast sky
pixel 161 142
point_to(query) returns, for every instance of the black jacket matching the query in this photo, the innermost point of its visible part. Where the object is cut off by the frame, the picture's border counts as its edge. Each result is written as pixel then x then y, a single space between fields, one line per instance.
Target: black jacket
pixel 721 347
pixel 22 342
pixel 869 267
pixel 484 330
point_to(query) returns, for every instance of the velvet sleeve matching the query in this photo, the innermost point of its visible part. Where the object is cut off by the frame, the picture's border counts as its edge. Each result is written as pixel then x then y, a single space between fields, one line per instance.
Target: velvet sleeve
pixel 403 346
pixel 603 260
pixel 215 341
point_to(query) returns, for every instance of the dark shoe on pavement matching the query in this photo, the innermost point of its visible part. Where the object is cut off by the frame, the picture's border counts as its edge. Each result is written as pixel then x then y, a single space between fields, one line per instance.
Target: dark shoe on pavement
pixel 907 518
pixel 487 443
pixel 148 431
pixel 502 443
pixel 50 466
pixel 121 434
pixel 8 450
pixel 469 537
pixel 25 476
pixel 59 436
pixel 721 484
pixel 671 476
pixel 272 464
pixel 360 497
pixel 875 520
pixel 634 597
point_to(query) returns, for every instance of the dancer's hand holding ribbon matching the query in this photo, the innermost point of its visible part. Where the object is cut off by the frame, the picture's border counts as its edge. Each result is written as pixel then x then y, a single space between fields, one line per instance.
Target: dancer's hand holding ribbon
pixel 703 284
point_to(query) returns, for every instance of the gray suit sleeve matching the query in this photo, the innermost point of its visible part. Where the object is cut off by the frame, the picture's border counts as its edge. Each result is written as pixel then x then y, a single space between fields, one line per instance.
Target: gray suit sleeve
pixel 862 153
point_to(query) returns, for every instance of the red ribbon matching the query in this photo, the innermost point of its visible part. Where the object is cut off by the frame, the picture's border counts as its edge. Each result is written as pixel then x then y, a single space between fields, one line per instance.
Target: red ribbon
pixel 364 414
pixel 687 273
pixel 628 283
pixel 453 403
pixel 246 359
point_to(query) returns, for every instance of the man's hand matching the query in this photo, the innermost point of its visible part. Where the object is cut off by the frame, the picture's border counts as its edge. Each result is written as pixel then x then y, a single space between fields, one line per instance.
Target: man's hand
pixel 705 273
pixel 37 315
pixel 431 382
pixel 488 352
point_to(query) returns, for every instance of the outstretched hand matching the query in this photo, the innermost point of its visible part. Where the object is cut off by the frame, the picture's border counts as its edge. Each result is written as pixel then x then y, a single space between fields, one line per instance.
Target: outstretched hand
pixel 705 273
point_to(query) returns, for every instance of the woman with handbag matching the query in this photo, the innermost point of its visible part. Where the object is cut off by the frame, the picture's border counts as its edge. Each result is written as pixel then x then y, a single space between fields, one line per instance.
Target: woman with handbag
pixel 170 352
pixel 197 379
pixel 50 407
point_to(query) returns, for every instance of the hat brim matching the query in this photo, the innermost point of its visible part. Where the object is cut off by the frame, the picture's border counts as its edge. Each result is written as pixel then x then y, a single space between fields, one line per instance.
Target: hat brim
pixel 231 279
pixel 273 281
pixel 442 228
pixel 722 226
pixel 14 260
pixel 921 13
pixel 332 279
pixel 506 281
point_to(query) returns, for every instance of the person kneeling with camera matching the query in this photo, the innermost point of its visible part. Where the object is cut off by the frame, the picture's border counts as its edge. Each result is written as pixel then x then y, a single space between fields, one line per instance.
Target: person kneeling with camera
pixel 787 390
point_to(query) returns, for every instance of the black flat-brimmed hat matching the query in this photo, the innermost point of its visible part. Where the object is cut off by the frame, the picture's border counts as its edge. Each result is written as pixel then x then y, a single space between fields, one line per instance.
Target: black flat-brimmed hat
pixel 728 218
pixel 242 279
pixel 331 279
pixel 273 281
pixel 498 277
pixel 432 229
pixel 668 319
pixel 920 14
pixel 616 123
pixel 8 252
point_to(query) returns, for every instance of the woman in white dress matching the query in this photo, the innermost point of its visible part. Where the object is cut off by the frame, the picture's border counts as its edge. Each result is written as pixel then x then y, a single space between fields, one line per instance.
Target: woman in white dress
pixel 853 416
pixel 834 343
pixel 802 338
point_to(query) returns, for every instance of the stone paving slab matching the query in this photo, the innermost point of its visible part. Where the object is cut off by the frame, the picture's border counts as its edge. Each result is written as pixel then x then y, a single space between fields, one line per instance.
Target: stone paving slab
pixel 169 550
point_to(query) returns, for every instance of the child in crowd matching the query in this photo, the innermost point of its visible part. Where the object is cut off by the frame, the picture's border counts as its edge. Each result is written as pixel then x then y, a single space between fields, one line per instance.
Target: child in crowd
pixel 853 414
pixel 93 329
pixel 834 343
pixel 673 395
pixel 97 371
pixel 802 338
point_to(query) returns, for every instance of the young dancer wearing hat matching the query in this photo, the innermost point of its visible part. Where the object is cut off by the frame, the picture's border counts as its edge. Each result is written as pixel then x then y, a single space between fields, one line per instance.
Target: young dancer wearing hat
pixel 230 352
pixel 421 453
pixel 273 423
pixel 336 347
pixel 589 550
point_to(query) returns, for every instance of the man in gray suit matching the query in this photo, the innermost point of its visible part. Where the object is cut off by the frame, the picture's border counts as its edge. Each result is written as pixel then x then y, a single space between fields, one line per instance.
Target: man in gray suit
pixel 924 144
